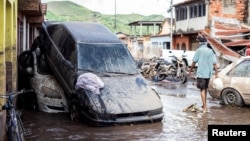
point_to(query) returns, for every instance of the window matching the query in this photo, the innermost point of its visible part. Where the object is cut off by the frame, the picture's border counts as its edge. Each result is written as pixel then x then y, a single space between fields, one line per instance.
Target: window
pixel 178 46
pixel 55 33
pixel 197 10
pixel 181 13
pixel 68 47
pixel 105 58
pixel 183 46
pixel 242 70
pixel 202 9
pixel 166 45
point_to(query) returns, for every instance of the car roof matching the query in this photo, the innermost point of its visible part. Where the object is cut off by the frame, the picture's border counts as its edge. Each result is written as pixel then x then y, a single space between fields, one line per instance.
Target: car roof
pixel 87 32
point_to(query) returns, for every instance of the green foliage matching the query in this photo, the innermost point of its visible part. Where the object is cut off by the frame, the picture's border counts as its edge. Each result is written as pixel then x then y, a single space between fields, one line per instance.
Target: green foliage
pixel 69 11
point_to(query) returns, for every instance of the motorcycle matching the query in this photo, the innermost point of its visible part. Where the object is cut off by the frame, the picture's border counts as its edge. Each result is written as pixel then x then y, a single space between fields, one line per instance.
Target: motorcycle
pixel 176 70
pixel 148 69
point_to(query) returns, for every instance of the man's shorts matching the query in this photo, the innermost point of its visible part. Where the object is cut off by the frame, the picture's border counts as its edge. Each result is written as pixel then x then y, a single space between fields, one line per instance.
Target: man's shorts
pixel 202 83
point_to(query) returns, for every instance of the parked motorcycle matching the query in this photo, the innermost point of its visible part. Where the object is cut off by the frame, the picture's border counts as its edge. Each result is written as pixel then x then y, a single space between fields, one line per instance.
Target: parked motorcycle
pixel 148 68
pixel 176 70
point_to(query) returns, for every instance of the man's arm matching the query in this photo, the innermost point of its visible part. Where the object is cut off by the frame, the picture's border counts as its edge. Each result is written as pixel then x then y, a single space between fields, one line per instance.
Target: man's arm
pixel 191 68
pixel 216 71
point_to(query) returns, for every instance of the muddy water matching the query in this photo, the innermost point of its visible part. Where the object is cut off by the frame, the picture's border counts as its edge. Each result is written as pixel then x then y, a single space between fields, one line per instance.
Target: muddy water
pixel 177 125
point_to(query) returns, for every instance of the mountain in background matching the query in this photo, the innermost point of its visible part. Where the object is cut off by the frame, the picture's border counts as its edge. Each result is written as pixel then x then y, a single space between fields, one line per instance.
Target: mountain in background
pixel 69 11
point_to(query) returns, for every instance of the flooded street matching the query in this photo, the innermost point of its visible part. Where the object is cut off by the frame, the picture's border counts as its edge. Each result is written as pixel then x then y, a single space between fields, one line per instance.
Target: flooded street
pixel 176 125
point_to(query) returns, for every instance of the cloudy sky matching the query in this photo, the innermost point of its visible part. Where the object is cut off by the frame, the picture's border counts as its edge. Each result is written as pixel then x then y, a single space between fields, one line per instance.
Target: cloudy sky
pixel 144 7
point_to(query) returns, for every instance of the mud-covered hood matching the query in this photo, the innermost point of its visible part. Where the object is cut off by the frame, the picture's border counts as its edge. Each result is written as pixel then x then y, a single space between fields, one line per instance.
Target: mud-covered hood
pixel 125 94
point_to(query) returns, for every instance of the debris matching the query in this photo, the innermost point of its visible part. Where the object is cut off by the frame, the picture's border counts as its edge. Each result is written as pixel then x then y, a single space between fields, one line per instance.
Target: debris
pixel 192 108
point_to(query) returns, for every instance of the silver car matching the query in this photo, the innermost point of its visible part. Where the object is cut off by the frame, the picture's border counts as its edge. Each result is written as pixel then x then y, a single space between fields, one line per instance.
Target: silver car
pixel 50 96
pixel 236 81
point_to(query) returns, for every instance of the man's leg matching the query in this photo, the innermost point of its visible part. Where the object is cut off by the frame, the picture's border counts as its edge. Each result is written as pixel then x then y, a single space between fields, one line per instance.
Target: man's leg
pixel 204 99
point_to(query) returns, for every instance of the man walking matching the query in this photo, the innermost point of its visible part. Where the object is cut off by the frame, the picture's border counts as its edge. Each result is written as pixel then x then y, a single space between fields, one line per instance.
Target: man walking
pixel 206 60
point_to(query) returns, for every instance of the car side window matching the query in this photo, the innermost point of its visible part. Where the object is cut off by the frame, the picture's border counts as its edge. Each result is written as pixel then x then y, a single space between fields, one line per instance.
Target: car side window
pixel 242 70
pixel 68 47
pixel 55 32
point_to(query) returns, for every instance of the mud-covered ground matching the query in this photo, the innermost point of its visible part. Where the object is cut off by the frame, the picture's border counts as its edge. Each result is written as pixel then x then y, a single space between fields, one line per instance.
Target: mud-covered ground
pixel 177 124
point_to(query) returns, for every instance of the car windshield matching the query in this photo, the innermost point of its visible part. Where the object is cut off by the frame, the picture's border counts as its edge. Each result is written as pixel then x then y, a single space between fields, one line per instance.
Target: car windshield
pixel 105 58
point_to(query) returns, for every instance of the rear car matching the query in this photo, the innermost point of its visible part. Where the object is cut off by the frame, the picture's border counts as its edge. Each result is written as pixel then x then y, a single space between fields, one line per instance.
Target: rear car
pixel 111 89
pixel 48 95
pixel 235 81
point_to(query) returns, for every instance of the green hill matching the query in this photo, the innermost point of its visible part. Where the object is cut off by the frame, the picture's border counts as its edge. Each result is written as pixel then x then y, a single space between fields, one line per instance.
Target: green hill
pixel 69 11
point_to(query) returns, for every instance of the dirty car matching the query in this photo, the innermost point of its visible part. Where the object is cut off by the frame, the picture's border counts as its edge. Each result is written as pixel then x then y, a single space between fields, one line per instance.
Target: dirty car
pixel 49 95
pixel 117 92
pixel 236 81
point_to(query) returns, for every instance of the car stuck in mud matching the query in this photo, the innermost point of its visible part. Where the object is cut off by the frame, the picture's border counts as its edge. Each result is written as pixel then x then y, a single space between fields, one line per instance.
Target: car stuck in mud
pixel 98 74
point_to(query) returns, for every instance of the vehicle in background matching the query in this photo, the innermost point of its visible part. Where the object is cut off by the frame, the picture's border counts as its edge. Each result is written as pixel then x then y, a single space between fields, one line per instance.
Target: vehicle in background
pixel 49 96
pixel 177 69
pixel 98 74
pixel 235 81
pixel 186 56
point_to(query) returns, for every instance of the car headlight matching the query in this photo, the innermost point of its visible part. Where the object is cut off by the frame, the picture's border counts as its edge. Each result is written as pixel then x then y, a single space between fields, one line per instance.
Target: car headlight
pixel 51 93
pixel 217 84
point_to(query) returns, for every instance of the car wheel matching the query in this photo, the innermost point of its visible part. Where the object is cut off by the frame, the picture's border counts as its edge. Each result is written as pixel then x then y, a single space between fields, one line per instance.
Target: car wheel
pixel 75 111
pixel 231 97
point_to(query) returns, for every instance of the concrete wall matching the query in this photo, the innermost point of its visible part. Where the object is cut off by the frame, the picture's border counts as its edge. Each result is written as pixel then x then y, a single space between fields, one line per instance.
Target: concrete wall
pixel 8 56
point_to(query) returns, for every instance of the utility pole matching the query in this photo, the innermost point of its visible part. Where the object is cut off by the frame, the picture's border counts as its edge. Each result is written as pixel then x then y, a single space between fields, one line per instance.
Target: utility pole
pixel 115 18
pixel 171 25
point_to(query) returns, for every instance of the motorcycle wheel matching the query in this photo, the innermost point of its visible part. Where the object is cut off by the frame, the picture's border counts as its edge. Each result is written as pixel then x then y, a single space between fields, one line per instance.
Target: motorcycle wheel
pixel 183 76
pixel 172 71
pixel 161 77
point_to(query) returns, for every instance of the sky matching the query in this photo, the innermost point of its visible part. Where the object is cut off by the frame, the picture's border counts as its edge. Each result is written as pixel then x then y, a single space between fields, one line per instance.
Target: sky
pixel 111 7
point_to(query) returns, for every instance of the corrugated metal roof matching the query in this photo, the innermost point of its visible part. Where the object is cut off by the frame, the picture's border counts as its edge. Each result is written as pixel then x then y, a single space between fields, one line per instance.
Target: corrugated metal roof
pixel 220 49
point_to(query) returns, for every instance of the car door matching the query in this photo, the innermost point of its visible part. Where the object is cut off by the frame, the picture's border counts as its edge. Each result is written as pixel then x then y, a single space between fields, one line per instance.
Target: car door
pixel 59 40
pixel 67 67
pixel 240 78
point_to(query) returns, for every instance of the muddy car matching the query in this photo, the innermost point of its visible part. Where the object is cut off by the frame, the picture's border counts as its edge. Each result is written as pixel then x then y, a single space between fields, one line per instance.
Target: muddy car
pixel 49 95
pixel 235 83
pixel 98 74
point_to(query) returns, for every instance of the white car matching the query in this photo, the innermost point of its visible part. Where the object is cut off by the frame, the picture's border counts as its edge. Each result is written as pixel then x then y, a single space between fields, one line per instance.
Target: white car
pixel 50 96
pixel 235 83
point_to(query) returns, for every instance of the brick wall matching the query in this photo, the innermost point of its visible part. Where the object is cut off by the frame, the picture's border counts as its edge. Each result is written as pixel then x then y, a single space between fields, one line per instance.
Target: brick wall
pixel 216 9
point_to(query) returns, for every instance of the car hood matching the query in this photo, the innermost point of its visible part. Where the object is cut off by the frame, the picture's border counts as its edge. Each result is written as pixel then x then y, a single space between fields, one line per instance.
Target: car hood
pixel 125 94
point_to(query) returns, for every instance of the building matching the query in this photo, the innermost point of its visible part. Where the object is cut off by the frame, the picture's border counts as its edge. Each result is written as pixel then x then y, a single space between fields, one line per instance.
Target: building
pixel 191 17
pixel 19 20
pixel 194 16
pixel 155 37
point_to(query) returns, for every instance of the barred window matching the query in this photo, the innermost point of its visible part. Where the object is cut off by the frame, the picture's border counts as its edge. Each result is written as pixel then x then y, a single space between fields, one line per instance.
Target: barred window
pixel 197 10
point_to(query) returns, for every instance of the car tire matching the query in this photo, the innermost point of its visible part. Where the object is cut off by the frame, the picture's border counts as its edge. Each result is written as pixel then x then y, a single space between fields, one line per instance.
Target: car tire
pixel 75 111
pixel 231 97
